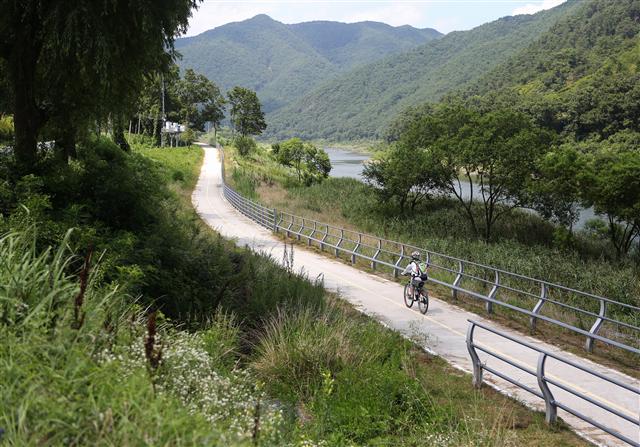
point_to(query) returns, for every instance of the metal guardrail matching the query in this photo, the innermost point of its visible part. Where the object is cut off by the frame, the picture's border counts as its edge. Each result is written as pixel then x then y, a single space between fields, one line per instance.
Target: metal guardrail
pixel 544 392
pixel 256 212
pixel 492 285
pixel 461 276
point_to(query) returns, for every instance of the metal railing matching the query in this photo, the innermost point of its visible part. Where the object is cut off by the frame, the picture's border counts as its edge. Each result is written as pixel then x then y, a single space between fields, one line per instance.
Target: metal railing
pixel 544 380
pixel 461 276
pixel 254 211
pixel 519 293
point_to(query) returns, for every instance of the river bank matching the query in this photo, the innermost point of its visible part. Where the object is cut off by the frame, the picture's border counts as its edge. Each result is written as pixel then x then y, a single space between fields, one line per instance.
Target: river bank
pixel 350 163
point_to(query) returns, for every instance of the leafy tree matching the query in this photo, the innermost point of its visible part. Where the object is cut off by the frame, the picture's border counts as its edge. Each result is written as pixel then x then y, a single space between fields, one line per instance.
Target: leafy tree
pixel 292 153
pixel 81 59
pixel 403 173
pixel 612 186
pixel 247 117
pixel 496 153
pixel 556 187
pixel 147 112
pixel 317 162
pixel 199 100
pixel 309 162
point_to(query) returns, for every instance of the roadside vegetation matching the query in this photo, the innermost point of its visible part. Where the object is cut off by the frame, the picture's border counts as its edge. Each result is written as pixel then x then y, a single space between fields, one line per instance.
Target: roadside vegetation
pixel 522 242
pixel 142 326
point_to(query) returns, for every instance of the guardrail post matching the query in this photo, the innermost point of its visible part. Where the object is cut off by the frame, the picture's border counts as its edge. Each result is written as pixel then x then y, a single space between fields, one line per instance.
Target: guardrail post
pixel 544 292
pixel 355 249
pixel 289 226
pixel 551 410
pixel 324 237
pixel 275 220
pixel 493 292
pixel 396 268
pixel 375 256
pixel 340 241
pixel 475 360
pixel 312 233
pixel 596 326
pixel 456 282
pixel 301 228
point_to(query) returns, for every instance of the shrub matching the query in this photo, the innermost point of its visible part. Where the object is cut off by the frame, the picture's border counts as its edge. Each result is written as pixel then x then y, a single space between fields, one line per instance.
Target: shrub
pixel 6 128
pixel 188 137
pixel 245 145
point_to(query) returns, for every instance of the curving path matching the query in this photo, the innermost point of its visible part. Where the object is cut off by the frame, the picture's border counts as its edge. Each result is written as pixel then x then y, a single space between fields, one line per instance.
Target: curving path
pixel 442 331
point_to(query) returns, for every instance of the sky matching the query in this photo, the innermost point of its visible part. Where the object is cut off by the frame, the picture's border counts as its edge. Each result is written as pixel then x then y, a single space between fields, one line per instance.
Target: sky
pixel 443 15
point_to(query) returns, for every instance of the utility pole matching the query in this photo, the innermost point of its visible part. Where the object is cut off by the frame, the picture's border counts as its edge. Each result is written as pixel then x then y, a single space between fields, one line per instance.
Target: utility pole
pixel 164 117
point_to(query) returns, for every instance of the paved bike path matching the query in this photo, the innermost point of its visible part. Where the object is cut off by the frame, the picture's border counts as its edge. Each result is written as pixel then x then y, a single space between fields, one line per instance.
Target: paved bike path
pixel 441 331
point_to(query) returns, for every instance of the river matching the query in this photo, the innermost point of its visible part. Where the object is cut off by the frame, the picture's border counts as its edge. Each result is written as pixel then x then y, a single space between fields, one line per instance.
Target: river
pixel 346 163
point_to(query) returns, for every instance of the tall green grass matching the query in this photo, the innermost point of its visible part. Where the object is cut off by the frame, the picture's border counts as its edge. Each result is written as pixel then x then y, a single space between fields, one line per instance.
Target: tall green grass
pixel 356 383
pixel 74 372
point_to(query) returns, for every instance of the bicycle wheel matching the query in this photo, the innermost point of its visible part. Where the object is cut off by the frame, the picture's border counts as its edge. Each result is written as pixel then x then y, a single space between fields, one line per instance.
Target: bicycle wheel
pixel 423 302
pixel 408 299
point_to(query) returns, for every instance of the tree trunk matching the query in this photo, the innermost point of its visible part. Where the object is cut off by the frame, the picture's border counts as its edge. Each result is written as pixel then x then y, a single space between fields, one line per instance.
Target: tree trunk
pixel 27 118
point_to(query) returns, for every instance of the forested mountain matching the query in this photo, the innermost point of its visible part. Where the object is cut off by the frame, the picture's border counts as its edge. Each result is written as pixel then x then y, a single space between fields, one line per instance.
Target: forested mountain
pixel 282 62
pixel 360 104
pixel 580 78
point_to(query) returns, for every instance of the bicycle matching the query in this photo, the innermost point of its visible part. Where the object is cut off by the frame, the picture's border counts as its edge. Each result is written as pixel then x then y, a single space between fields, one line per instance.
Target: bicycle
pixel 421 295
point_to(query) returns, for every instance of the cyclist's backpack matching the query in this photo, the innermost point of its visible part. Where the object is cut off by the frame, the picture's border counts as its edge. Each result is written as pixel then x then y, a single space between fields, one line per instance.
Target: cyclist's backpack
pixel 423 271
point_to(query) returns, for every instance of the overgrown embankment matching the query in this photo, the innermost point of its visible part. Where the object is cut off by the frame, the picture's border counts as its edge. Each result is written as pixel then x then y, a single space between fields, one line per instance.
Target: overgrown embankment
pixel 523 243
pixel 142 326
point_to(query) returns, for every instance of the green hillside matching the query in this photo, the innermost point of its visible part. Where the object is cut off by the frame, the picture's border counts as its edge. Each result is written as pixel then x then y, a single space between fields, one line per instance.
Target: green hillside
pixel 580 78
pixel 351 44
pixel 361 103
pixel 282 62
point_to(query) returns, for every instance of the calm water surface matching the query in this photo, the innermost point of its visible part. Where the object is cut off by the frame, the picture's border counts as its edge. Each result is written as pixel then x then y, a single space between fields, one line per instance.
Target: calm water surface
pixel 347 163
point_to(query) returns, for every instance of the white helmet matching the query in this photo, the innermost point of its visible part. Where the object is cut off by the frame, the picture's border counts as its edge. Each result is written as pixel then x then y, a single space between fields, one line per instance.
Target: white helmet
pixel 415 255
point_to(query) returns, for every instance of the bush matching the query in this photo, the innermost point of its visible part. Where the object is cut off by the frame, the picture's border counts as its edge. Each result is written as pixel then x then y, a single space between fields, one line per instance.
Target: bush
pixel 245 145
pixel 188 137
pixel 6 128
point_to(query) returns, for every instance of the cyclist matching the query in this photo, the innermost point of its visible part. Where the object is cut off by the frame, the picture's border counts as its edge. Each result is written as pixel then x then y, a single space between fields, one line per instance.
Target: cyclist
pixel 418 272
